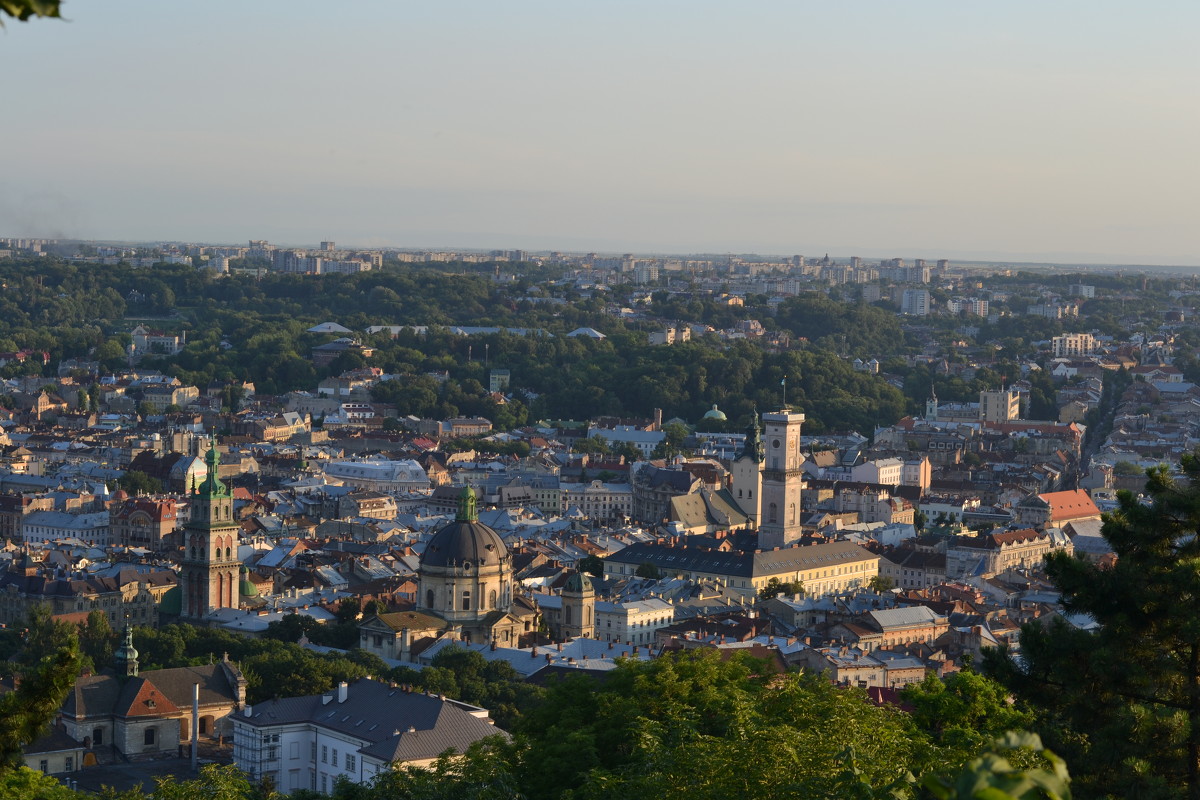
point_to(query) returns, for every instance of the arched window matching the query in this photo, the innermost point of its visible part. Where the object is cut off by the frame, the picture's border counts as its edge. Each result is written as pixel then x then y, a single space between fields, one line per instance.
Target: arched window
pixel 587 615
pixel 791 513
pixel 492 600
pixel 772 515
pixel 566 614
pixel 429 598
pixel 466 600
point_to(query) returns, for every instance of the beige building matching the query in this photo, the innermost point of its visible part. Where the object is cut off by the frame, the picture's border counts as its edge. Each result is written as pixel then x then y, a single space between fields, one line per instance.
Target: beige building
pixel 822 568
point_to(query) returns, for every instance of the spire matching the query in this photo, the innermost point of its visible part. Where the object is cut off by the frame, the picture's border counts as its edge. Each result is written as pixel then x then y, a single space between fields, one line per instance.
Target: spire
pixel 126 656
pixel 752 448
pixel 466 506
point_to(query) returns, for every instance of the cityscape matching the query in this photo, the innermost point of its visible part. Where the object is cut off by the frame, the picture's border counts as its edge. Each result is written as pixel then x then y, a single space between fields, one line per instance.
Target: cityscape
pixel 562 404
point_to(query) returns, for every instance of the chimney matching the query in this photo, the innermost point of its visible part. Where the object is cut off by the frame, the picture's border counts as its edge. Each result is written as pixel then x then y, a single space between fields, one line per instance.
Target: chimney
pixel 343 692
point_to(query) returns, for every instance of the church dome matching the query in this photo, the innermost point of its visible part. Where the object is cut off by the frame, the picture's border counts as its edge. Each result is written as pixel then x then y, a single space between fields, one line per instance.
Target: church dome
pixel 466 542
pixel 715 413
pixel 246 587
pixel 172 602
pixel 578 583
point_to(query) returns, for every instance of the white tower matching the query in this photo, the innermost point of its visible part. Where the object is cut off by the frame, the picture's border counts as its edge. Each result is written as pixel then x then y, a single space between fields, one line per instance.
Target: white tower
pixel 779 523
pixel 931 406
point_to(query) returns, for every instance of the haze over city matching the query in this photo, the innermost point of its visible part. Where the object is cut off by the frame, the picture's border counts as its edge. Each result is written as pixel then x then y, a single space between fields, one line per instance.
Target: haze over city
pixel 943 130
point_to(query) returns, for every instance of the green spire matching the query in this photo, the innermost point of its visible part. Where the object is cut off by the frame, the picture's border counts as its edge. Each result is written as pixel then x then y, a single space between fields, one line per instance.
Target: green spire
pixel 126 656
pixel 212 486
pixel 466 506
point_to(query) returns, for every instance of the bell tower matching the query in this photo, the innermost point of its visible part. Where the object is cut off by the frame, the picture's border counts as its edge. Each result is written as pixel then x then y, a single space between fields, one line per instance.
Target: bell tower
pixel 747 473
pixel 208 569
pixel 779 520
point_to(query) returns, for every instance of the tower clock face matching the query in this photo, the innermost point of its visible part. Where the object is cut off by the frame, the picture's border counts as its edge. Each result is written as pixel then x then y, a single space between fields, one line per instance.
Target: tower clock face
pixel 774 443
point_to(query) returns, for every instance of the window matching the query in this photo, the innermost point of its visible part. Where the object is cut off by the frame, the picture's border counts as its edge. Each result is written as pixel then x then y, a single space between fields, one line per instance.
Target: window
pixel 44 765
pixel 429 598
pixel 148 736
pixel 314 753
pixel 69 763
pixel 98 737
pixel 334 759
pixel 324 754
pixel 324 782
pixel 350 765
pixel 466 601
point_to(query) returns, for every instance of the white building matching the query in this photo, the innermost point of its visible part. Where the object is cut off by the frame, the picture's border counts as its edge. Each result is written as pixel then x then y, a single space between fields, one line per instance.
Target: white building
pixel 915 302
pixel 633 621
pixel 886 471
pixel 1073 344
pixel 354 732
pixel 380 474
pixel 42 527
pixel 610 502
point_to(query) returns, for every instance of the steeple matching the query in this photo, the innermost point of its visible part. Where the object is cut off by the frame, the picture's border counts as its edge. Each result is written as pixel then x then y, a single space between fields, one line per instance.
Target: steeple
pixel 466 506
pixel 752 447
pixel 931 405
pixel 212 485
pixel 126 656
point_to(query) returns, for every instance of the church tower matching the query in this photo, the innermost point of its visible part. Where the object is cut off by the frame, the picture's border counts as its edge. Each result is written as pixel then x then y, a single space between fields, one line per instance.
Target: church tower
pixel 779 520
pixel 747 473
pixel 208 569
pixel 578 608
pixel 931 406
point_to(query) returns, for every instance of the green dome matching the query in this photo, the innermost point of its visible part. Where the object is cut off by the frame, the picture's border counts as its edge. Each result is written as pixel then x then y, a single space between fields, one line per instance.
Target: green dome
pixel 246 587
pixel 715 413
pixel 172 602
pixel 578 583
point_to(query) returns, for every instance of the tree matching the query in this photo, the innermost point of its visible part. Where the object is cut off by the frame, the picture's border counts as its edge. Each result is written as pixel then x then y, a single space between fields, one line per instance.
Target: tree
pixel 648 570
pixel 25 10
pixel 882 583
pixel 97 638
pixel 44 635
pixel 24 783
pixel 592 565
pixel 776 587
pixel 27 711
pixel 1123 701
pixel 137 482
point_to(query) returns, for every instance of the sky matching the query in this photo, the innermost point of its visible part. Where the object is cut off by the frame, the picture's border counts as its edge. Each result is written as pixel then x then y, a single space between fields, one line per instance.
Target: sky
pixel 1024 131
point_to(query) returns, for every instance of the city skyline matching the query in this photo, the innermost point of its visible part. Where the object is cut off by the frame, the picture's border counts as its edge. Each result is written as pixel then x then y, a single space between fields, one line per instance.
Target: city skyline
pixel 1021 133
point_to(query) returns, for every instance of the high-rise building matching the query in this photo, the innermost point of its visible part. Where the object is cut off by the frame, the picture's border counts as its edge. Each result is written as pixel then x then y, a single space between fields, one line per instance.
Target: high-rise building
pixel 779 515
pixel 1003 405
pixel 208 569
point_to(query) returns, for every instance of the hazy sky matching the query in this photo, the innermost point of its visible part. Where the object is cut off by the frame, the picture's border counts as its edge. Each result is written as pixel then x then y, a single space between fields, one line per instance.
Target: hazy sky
pixel 1016 130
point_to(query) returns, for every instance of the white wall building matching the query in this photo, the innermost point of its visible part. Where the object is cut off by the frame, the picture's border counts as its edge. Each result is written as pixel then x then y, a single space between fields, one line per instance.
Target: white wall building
pixel 42 527
pixel 380 474
pixel 354 732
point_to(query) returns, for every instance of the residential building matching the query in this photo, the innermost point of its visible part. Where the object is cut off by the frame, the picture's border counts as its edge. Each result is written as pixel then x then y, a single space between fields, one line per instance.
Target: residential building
pixel 354 732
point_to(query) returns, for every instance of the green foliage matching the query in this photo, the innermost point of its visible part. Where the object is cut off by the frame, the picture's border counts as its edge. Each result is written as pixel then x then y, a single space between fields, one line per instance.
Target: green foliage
pixel 44 636
pixel 592 565
pixel 24 783
pixel 691 725
pixel 993 776
pixel 648 570
pixel 963 712
pixel 97 639
pixel 25 10
pixel 27 711
pixel 881 584
pixel 776 587
pixel 215 782
pixel 136 482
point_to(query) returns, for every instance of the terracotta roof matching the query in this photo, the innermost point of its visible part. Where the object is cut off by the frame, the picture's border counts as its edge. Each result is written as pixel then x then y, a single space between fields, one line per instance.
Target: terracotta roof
pixel 1071 504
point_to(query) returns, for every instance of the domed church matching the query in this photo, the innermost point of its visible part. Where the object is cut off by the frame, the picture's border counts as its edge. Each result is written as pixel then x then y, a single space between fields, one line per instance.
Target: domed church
pixel 465 578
